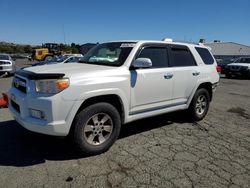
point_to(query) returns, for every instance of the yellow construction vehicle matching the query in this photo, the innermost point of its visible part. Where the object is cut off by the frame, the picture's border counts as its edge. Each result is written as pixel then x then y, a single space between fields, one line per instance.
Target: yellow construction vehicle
pixel 46 52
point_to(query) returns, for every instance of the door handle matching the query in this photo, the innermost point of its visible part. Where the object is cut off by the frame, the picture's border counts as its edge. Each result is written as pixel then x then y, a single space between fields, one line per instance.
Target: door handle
pixel 168 76
pixel 196 73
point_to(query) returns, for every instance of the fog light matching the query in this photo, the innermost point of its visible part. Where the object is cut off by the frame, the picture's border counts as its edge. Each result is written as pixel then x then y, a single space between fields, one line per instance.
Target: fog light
pixel 36 114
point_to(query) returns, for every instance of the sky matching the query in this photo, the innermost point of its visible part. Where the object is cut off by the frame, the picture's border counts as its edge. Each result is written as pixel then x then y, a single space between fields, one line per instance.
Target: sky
pixel 81 21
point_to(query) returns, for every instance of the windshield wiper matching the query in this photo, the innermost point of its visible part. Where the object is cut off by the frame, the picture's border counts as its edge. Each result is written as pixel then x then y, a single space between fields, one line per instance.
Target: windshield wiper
pixel 100 63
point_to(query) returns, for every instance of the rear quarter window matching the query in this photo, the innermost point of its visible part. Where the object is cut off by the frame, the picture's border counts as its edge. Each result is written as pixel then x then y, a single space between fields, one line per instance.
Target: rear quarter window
pixel 205 55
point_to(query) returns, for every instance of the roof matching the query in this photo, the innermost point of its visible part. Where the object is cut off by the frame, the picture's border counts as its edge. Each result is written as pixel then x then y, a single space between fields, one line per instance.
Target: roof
pixel 229 48
pixel 163 42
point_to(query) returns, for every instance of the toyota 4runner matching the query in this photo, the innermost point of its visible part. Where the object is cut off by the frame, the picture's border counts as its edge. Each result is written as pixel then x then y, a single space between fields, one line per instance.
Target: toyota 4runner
pixel 115 83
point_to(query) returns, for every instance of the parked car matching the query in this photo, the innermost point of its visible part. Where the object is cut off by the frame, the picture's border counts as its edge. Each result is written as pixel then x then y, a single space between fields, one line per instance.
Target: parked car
pixel 68 55
pixel 222 63
pixel 7 65
pixel 72 58
pixel 115 83
pixel 241 67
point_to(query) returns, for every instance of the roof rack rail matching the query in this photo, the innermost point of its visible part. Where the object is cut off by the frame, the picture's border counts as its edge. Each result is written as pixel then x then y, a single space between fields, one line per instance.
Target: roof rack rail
pixel 167 40
pixel 189 42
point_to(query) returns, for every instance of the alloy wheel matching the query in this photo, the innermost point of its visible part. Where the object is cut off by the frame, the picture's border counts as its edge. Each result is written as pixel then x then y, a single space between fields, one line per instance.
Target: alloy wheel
pixel 98 129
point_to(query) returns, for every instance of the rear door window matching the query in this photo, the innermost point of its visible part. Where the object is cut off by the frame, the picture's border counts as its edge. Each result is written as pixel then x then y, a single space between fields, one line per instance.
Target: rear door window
pixel 205 55
pixel 181 56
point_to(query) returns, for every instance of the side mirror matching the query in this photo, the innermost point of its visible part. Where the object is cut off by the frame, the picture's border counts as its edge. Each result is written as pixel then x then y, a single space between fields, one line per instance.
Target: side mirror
pixel 142 63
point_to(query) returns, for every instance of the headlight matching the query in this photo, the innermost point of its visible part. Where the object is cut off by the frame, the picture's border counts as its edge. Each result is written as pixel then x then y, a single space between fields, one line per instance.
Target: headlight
pixel 51 85
pixel 244 67
pixel 5 63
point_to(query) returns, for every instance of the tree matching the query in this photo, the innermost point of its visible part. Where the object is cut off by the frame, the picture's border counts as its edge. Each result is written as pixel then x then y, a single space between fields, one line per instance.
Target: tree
pixel 27 49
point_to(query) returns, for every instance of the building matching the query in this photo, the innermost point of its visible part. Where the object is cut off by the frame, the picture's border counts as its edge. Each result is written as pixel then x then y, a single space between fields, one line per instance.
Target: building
pixel 228 50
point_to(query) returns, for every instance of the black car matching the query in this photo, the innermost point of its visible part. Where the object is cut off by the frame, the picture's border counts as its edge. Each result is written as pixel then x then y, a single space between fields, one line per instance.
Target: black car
pixel 223 64
pixel 241 67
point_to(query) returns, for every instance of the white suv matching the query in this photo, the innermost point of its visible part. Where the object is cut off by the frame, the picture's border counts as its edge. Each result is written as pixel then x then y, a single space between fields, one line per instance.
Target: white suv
pixel 116 83
pixel 7 65
pixel 241 67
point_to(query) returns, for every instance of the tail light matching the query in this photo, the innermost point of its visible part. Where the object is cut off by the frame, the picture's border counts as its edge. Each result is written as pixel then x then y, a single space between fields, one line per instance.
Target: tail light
pixel 218 69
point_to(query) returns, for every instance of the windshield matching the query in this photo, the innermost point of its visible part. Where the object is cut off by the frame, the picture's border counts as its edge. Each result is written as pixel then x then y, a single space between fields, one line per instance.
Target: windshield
pixel 110 54
pixel 4 57
pixel 243 60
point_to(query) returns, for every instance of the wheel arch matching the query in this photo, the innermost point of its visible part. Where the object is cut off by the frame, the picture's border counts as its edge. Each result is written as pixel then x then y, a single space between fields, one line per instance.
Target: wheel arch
pixel 112 99
pixel 209 87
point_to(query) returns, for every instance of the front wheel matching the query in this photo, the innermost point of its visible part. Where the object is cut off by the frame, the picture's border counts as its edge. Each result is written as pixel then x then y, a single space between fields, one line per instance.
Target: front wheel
pixel 199 105
pixel 96 128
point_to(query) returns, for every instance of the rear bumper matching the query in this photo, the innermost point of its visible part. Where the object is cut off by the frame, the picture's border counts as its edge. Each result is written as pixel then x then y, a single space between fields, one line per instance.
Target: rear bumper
pixel 214 86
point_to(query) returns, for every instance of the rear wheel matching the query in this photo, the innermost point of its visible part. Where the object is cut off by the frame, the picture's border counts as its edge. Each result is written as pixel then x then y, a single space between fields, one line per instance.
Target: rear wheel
pixel 96 128
pixel 199 105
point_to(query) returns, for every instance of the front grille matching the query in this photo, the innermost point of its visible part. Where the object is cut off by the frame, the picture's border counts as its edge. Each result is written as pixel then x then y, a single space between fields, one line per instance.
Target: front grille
pixel 234 68
pixel 15 106
pixel 4 63
pixel 20 84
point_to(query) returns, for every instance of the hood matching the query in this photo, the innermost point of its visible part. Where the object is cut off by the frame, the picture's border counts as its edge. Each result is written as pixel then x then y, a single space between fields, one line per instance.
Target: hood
pixel 2 60
pixel 72 69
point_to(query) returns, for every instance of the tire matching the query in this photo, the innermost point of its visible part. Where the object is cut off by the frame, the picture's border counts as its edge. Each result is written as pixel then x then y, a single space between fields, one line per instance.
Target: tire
pixel 47 58
pixel 96 128
pixel 9 74
pixel 199 105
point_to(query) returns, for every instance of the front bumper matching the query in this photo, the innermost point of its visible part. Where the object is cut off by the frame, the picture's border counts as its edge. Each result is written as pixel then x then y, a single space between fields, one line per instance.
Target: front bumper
pixel 6 68
pixel 54 129
pixel 242 72
pixel 56 112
